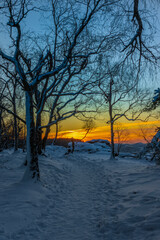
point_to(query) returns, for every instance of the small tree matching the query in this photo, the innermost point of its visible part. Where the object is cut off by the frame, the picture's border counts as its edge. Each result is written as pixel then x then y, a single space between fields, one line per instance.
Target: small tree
pixel 121 134
pixel 88 126
pixel 13 97
pixel 144 132
pixel 122 98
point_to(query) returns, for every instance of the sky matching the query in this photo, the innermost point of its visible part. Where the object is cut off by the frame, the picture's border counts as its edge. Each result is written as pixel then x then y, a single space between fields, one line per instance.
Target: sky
pixel 73 127
pixel 134 132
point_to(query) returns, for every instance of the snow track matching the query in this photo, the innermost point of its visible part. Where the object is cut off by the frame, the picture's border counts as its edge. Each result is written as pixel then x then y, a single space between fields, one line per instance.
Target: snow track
pixel 82 203
pixel 81 197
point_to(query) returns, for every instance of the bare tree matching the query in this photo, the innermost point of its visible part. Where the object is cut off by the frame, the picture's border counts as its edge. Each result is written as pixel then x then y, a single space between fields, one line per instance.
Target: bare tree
pixel 143 21
pixel 51 68
pixel 88 126
pixel 13 97
pixel 121 96
pixel 121 134
pixel 145 132
pixel 50 73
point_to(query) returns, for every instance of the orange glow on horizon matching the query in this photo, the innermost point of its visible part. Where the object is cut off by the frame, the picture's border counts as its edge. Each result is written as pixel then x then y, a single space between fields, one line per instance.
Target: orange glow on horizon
pixel 132 130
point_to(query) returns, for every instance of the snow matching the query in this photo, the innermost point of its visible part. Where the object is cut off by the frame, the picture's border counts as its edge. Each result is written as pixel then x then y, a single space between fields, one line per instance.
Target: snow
pixel 81 196
pixel 90 147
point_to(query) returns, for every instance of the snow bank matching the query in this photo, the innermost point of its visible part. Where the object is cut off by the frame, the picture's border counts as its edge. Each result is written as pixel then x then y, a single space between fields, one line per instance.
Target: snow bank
pixel 81 196
pixel 91 146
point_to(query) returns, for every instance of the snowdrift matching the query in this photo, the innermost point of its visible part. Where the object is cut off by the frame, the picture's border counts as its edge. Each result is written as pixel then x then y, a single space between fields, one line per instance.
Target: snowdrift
pixel 81 196
pixel 91 146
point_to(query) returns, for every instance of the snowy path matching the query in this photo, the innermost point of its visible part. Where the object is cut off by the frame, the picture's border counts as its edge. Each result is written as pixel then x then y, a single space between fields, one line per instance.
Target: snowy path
pixel 102 200
pixel 84 197
pixel 82 204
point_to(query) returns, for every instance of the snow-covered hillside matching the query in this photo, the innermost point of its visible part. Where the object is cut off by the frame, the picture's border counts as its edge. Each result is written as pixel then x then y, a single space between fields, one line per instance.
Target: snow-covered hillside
pixel 81 196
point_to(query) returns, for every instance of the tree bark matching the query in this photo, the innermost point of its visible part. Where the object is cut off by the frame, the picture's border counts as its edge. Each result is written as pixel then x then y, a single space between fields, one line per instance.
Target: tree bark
pixel 111 120
pixel 15 121
pixel 56 135
pixel 112 141
pixel 45 138
pixel 39 135
pixel 48 128
pixel 32 169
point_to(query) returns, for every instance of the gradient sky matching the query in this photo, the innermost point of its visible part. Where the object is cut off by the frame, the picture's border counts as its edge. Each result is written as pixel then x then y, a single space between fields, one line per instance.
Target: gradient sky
pixel 133 130
pixel 72 127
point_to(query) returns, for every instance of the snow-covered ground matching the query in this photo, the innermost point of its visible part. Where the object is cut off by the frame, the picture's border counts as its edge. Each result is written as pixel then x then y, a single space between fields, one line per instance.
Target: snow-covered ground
pixel 81 196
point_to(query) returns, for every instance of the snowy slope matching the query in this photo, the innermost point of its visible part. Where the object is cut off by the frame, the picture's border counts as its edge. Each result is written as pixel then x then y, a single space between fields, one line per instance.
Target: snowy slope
pixel 81 196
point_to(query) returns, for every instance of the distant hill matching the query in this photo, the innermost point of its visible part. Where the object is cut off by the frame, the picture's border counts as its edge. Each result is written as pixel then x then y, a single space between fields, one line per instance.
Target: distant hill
pixel 62 141
pixel 133 148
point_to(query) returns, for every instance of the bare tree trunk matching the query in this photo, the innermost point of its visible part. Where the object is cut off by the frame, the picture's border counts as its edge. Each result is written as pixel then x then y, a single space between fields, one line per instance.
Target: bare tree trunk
pixel 39 135
pixel 45 138
pixel 56 135
pixel 15 135
pixel 112 141
pixel 111 120
pixel 32 157
pixel 47 131
pixel 38 123
pixel 15 121
pixel 119 143
pixel 24 139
